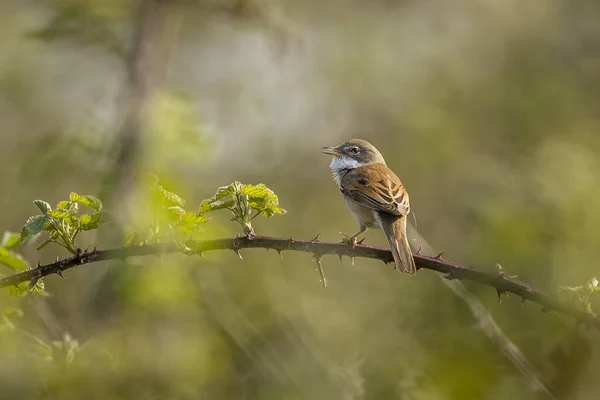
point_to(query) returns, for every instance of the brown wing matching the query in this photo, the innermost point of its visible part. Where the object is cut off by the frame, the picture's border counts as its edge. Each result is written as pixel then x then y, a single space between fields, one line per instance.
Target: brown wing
pixel 376 187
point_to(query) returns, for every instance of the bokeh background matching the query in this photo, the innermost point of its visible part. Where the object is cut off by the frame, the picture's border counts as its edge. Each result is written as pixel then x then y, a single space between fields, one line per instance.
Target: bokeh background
pixel 487 110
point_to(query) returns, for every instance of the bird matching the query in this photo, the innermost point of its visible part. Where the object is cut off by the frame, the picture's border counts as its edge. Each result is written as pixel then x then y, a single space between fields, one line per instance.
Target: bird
pixel 374 195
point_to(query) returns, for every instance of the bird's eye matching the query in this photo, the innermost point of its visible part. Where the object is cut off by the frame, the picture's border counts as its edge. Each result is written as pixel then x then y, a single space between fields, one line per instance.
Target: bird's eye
pixel 354 150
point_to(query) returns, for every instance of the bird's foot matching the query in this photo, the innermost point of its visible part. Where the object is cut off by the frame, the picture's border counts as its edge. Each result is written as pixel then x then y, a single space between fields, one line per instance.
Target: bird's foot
pixel 350 240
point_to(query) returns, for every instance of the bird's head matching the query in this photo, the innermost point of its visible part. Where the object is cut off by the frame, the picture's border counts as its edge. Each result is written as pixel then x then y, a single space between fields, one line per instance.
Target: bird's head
pixel 353 154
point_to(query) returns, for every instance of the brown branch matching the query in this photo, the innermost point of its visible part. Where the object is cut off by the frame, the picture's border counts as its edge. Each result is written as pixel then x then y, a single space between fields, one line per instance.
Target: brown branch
pixel 501 282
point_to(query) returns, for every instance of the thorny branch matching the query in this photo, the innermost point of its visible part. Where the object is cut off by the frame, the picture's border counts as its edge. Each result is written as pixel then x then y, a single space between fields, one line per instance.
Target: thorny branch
pixel 500 281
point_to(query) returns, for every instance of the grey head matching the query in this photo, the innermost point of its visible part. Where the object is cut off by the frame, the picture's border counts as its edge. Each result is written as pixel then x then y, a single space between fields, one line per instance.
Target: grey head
pixel 353 154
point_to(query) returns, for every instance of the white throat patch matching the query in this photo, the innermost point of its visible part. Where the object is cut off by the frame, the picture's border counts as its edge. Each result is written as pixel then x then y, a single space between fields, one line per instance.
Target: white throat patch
pixel 339 165
pixel 343 162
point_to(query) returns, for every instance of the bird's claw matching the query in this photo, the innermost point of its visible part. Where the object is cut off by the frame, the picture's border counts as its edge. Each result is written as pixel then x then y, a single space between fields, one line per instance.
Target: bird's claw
pixel 349 240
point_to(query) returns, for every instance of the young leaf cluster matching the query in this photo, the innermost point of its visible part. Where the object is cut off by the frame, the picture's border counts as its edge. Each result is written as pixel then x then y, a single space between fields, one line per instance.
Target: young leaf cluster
pixel 169 220
pixel 245 202
pixel 63 223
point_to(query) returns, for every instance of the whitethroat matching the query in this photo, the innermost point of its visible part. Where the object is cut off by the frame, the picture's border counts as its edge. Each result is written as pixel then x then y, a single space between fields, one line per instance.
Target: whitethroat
pixel 374 195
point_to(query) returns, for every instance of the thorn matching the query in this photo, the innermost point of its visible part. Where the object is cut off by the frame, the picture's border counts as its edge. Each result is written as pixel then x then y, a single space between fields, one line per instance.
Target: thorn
pixel 237 251
pixel 316 239
pixel 266 248
pixel 201 254
pixel 291 239
pixel 57 259
pixel 32 283
pixel 93 251
pixel 523 298
pixel 352 260
pixel 59 273
pixel 38 264
pixel 361 241
pixel 439 256
pixel 420 248
pixel 500 293
pixel 280 254
pixel 340 255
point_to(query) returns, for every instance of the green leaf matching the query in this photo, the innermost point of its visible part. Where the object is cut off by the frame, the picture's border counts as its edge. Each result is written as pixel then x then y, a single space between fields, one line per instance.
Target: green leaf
pixel 225 191
pixel 208 206
pixel 64 204
pixel 68 206
pixel 264 207
pixel 259 191
pixel 88 222
pixel 12 260
pixel 74 221
pixel 168 198
pixel 10 240
pixel 175 213
pixel 60 213
pixel 34 226
pixel 43 206
pixel 89 201
pixel 262 199
pixel 190 218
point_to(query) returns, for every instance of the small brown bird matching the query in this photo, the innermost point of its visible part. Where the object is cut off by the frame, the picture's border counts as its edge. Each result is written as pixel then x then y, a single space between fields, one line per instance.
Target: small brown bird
pixel 374 195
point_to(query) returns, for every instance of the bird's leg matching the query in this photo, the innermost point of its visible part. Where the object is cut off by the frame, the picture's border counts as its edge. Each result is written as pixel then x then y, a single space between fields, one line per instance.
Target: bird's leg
pixel 351 240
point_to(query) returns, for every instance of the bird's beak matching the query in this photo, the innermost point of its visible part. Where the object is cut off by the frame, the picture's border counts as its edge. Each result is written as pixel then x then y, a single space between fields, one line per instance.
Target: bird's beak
pixel 332 151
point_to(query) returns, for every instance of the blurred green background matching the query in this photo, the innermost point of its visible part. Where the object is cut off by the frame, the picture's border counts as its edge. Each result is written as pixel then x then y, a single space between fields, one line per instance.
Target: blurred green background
pixel 487 110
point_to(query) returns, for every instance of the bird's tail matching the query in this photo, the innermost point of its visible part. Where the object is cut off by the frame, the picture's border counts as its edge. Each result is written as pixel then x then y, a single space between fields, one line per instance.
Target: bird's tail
pixel 395 232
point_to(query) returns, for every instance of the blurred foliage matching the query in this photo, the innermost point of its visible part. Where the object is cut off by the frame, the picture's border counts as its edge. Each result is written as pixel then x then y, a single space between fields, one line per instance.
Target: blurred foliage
pixel 486 110
pixel 87 23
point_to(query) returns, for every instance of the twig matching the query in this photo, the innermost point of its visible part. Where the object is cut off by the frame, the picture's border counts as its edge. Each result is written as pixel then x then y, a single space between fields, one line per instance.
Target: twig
pixel 500 281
